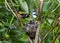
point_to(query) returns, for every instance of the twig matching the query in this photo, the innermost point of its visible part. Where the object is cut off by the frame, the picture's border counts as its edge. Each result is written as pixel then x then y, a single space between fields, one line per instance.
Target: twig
pixel 30 40
pixel 17 15
pixel 6 7
pixel 10 8
pixel 42 40
pixel 39 39
pixel 12 19
pixel 14 8
pixel 41 8
pixel 56 36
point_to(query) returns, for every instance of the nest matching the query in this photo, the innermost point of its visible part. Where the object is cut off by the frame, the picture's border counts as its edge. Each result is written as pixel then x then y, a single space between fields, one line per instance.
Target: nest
pixel 30 28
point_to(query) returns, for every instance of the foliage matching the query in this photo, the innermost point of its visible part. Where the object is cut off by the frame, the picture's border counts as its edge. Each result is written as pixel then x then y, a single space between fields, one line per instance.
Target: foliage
pixel 17 35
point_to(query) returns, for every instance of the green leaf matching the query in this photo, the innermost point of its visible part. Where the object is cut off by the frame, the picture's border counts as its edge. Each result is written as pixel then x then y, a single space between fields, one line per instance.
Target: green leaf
pixel 46 6
pixel 24 37
pixel 6 36
pixel 6 42
pixel 57 41
pixel 50 21
pixel 58 1
pixel 0 24
pixel 0 41
pixel 1 0
pixel 23 5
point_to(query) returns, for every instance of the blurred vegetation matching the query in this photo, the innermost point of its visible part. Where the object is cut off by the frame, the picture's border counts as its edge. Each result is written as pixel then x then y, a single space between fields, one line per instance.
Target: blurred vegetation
pixel 17 35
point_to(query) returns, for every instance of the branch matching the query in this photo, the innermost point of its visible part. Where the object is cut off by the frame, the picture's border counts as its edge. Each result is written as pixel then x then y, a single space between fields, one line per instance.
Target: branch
pixel 40 9
pixel 39 12
pixel 39 20
pixel 14 9
pixel 56 36
pixel 37 33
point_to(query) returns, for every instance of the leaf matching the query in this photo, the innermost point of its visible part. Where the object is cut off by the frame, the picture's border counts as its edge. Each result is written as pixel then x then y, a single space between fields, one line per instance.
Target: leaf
pixel 6 42
pixel 56 29
pixel 58 1
pixel 57 41
pixel 0 41
pixel 46 5
pixel 2 30
pixel 0 24
pixel 6 36
pixel 50 21
pixel 32 4
pixel 23 5
pixel 1 0
pixel 24 37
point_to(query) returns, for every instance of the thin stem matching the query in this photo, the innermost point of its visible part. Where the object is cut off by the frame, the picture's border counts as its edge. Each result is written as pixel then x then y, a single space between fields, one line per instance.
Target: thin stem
pixel 30 40
pixel 6 7
pixel 56 8
pixel 41 8
pixel 12 19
